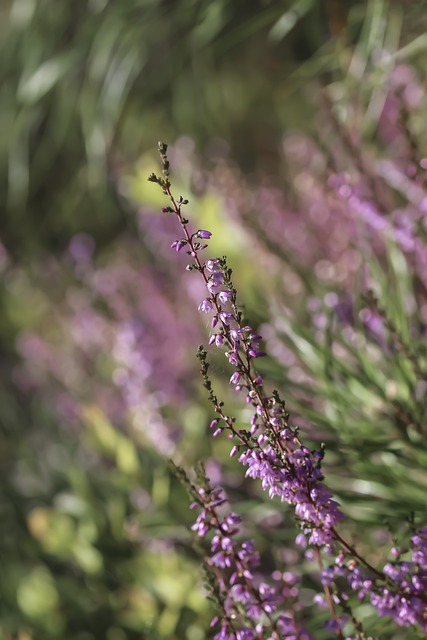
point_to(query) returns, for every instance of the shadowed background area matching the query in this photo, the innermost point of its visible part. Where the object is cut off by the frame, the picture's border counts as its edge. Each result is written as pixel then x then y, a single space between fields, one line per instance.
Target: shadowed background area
pixel 297 130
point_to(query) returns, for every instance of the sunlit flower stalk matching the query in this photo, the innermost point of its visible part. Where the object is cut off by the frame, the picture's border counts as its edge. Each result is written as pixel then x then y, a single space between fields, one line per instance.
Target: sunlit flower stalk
pixel 251 608
pixel 273 452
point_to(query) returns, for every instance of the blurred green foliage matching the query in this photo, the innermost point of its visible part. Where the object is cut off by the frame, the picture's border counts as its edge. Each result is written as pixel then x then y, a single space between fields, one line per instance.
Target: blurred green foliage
pixel 87 85
pixel 81 517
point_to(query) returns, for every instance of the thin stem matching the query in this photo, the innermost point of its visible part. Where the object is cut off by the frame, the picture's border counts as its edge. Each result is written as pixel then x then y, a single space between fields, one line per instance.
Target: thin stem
pixel 328 593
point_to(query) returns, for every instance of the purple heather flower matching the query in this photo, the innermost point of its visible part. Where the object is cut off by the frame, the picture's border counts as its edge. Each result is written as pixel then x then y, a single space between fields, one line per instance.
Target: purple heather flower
pixel 200 526
pixel 213 265
pixel 235 378
pixel 233 359
pixel 301 540
pixel 214 282
pixel 206 305
pixel 254 353
pixel 226 317
pixel 178 244
pixel 202 233
pixel 236 334
pixel 219 339
pixel 225 296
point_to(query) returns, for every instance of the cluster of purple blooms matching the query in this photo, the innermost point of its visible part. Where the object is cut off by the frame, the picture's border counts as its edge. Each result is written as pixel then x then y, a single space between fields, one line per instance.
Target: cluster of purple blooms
pixel 250 607
pixel 108 323
pixel 273 453
pixel 346 201
pixel 399 592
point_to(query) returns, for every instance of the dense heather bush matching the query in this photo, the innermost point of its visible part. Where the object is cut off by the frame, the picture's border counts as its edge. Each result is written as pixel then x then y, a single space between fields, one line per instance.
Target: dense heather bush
pixel 344 317
pixel 275 453
pixel 108 321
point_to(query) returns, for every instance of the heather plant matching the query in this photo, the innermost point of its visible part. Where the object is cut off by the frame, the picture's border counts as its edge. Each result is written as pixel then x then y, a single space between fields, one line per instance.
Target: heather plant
pixel 275 453
pixel 348 228
pixel 342 379
pixel 249 607
pixel 97 378
pixel 354 367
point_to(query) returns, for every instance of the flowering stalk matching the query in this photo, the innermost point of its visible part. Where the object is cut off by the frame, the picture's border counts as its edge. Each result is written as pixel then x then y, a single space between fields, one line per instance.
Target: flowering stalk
pixel 273 452
pixel 251 609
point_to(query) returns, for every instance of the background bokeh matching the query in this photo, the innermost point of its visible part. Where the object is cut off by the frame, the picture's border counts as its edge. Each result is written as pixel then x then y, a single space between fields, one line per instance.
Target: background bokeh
pixel 297 131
